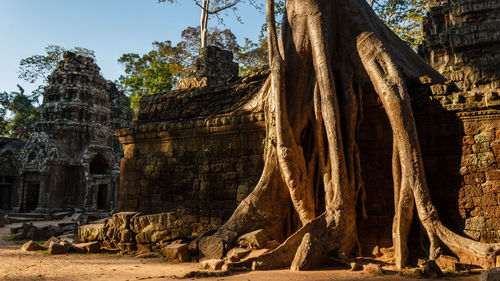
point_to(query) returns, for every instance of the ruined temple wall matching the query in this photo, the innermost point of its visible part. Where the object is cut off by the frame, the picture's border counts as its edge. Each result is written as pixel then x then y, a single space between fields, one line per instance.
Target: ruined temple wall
pixel 462 39
pixel 459 123
pixel 201 170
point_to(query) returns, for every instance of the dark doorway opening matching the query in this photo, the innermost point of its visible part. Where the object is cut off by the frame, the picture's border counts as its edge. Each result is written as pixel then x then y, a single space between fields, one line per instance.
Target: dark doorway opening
pixel 102 197
pixel 98 166
pixel 32 193
pixel 5 196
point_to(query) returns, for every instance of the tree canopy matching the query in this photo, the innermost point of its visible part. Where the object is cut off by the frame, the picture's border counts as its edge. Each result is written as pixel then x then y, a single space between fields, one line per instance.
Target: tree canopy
pixel 161 69
pixel 22 110
pixel 404 17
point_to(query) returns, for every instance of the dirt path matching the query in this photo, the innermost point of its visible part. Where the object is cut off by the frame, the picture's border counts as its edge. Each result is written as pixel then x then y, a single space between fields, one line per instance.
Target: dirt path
pixel 18 265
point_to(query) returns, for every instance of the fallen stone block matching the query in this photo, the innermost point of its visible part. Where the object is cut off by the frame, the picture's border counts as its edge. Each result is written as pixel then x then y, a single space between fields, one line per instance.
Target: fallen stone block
pixel 213 264
pixel 159 227
pixel 155 222
pixel 235 254
pixel 59 249
pixel 446 262
pixel 373 268
pixel 51 240
pixel 38 234
pixel 71 238
pixel 211 247
pixel 175 252
pixel 31 246
pixel 90 247
pixel 92 232
pixel 255 239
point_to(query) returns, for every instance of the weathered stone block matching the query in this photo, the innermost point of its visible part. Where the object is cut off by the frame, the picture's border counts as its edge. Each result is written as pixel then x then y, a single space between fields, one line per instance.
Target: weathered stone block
pixel 59 248
pixel 176 252
pixel 90 247
pixel 211 247
pixel 32 246
pixel 92 232
pixel 213 264
pixel 255 239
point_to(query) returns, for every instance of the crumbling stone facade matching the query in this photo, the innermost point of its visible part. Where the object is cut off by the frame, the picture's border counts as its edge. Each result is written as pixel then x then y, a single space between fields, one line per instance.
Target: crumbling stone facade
pixel 216 65
pixel 462 39
pixel 463 43
pixel 187 154
pixel 213 67
pixel 180 152
pixel 70 160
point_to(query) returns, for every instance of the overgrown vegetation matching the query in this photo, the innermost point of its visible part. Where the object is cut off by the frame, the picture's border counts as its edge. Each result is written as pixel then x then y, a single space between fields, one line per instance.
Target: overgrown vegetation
pixel 18 113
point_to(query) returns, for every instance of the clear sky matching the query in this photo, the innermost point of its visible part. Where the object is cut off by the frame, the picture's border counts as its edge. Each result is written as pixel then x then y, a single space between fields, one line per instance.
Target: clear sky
pixel 109 27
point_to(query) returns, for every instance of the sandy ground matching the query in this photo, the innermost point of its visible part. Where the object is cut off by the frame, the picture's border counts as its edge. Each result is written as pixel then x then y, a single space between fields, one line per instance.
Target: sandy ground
pixel 18 265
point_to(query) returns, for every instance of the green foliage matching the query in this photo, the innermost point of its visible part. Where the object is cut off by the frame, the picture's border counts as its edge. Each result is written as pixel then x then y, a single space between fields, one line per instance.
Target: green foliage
pixel 23 112
pixel 37 68
pixel 190 44
pixel 404 17
pixel 146 74
pixel 160 69
pixel 252 56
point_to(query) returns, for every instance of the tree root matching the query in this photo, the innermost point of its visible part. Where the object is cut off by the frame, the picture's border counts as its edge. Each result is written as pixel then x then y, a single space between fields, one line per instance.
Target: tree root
pixel 317 74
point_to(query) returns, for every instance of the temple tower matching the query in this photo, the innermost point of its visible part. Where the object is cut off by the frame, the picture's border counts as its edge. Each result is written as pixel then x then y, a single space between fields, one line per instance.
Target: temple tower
pixel 69 162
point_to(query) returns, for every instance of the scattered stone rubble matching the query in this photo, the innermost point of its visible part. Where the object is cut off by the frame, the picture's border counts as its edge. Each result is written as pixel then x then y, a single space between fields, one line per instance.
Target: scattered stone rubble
pixel 165 235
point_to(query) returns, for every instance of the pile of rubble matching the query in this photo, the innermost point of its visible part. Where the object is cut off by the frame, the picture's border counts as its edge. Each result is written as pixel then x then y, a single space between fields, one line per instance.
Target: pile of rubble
pixel 159 235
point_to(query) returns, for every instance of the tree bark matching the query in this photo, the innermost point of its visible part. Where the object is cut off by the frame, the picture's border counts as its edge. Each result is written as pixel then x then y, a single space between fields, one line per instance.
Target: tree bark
pixel 204 23
pixel 328 54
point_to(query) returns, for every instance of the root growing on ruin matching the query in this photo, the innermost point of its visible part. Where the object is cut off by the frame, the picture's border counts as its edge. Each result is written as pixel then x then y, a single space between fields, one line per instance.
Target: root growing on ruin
pixel 328 54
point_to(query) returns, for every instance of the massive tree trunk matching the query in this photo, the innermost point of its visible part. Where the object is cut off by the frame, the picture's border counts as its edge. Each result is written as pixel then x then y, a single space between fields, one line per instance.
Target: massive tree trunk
pixel 204 23
pixel 329 52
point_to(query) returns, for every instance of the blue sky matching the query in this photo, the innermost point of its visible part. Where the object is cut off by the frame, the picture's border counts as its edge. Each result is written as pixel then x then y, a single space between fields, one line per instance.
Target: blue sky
pixel 109 27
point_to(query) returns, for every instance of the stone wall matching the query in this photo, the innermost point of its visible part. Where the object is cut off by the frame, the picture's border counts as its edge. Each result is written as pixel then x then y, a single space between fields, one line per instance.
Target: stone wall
pixel 463 43
pixel 216 65
pixel 189 153
pixel 462 39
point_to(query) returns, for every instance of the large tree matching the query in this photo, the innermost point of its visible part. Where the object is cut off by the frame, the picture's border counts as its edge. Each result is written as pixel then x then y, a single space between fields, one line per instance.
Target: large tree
pixel 22 111
pixel 211 7
pixel 161 68
pixel 331 53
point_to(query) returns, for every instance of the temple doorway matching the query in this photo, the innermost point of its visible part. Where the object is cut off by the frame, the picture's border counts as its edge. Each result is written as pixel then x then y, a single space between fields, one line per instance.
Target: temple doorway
pixel 102 197
pixel 32 194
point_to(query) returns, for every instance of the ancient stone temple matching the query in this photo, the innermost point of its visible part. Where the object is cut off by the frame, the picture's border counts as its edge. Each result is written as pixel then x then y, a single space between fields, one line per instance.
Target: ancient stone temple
pixel 71 160
pixel 196 151
pixel 463 43
pixel 188 153
pixel 462 39
pixel 213 67
pixel 10 150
